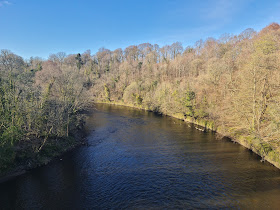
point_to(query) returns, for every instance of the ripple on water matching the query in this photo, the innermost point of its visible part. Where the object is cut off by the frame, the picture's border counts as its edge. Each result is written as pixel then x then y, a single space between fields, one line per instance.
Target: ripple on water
pixel 139 160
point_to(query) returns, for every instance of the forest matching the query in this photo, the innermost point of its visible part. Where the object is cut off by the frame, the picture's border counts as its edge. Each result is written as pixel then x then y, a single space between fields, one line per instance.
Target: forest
pixel 230 85
pixel 41 108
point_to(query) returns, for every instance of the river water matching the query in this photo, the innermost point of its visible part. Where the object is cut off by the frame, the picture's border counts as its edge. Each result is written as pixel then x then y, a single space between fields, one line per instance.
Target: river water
pixel 139 160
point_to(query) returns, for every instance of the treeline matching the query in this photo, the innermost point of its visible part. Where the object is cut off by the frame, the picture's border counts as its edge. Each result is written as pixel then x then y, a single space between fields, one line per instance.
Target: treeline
pixel 232 82
pixel 40 106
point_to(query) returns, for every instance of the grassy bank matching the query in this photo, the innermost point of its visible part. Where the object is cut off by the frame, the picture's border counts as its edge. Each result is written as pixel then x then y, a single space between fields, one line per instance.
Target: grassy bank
pixel 263 149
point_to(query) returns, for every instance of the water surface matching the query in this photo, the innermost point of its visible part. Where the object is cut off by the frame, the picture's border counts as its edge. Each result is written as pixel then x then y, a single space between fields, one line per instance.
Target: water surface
pixel 140 160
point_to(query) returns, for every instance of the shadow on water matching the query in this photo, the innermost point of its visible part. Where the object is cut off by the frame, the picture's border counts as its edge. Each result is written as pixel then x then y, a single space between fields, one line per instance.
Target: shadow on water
pixel 137 159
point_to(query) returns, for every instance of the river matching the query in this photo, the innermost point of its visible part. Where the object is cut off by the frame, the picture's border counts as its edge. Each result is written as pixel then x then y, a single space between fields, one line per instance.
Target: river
pixel 140 160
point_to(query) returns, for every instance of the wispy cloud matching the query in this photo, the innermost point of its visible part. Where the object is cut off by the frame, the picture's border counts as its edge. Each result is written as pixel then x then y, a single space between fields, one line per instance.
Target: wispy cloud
pixel 222 9
pixel 3 3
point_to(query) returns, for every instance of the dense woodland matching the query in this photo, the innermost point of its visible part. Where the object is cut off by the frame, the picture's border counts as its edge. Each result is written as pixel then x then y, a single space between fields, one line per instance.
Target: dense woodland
pixel 41 104
pixel 231 83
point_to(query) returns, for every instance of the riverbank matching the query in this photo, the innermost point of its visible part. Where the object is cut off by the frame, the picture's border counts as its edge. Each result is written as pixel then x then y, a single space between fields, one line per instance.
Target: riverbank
pixel 263 149
pixel 26 159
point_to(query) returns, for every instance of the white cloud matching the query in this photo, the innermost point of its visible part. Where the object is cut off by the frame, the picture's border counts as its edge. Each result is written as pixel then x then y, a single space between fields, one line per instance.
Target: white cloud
pixel 3 3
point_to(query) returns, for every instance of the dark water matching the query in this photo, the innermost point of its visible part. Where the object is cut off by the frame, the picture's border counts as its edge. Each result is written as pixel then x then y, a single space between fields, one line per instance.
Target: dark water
pixel 138 160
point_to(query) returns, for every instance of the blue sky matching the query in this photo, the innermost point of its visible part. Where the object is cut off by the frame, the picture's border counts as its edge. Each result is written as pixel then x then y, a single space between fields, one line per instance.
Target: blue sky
pixel 40 27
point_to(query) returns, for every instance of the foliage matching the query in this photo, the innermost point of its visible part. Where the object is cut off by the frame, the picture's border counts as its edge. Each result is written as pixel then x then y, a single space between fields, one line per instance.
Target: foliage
pixel 232 82
pixel 39 100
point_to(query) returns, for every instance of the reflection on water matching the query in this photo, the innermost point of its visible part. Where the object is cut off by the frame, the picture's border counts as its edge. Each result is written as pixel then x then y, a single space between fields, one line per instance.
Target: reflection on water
pixel 137 159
